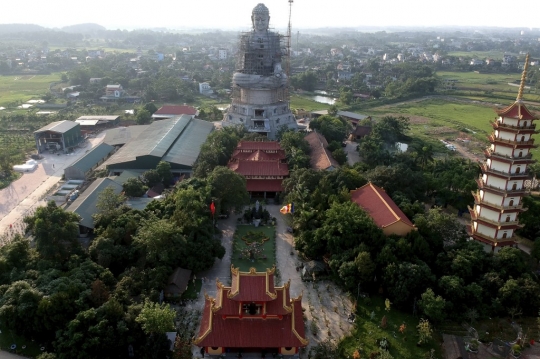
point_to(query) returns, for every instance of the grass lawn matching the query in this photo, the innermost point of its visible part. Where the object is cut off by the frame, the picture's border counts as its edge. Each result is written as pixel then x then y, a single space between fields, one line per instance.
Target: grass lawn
pixel 496 55
pixel 367 332
pixel 193 289
pixel 7 338
pixel 298 101
pixel 269 248
pixel 24 87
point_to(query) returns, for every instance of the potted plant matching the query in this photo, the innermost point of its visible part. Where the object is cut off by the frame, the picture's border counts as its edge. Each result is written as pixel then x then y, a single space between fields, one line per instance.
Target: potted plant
pixel 516 350
pixel 473 346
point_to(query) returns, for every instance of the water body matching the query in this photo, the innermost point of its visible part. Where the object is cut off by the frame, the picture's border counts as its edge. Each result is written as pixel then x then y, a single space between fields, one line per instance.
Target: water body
pixel 323 99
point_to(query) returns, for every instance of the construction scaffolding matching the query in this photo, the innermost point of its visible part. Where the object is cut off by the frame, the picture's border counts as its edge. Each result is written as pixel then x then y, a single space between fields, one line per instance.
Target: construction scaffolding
pixel 260 53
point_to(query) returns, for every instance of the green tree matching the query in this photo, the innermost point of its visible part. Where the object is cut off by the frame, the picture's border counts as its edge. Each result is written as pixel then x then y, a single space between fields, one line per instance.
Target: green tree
pixel 151 178
pixel 109 205
pixel 340 156
pixel 18 307
pixel 143 117
pixel 404 280
pixel 332 128
pixel 156 318
pixel 228 188
pixel 164 170
pixel 433 306
pixel 425 333
pixel 55 231
pixel 150 107
pixel 133 187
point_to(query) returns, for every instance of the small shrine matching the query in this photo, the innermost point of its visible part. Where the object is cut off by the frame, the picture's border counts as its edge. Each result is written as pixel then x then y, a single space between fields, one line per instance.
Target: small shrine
pixel 252 315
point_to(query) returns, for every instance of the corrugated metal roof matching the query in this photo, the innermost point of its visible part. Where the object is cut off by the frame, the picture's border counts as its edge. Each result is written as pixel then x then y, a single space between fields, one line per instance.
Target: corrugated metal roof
pixel 187 148
pixel 87 122
pixel 122 135
pixel 58 126
pixel 86 204
pixel 92 158
pixel 154 141
pixel 99 118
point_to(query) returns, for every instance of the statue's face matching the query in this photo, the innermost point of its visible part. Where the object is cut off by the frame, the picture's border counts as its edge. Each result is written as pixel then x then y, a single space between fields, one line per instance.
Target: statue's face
pixel 260 22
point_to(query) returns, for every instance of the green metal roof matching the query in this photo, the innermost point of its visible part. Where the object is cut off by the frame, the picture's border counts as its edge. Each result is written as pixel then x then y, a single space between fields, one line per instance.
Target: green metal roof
pixel 58 126
pixel 187 148
pixel 93 157
pixel 86 204
pixel 122 135
pixel 177 140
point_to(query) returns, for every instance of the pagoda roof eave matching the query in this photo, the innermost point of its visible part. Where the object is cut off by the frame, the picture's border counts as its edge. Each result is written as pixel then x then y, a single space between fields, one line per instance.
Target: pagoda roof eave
pixel 517 110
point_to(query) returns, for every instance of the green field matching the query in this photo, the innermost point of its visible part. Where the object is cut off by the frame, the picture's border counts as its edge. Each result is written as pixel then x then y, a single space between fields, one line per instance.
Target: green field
pixel 437 119
pixel 24 87
pixel 8 338
pixel 307 104
pixel 269 248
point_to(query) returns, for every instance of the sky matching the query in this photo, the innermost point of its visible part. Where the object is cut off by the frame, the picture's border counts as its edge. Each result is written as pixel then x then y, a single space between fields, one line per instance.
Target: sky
pixel 236 14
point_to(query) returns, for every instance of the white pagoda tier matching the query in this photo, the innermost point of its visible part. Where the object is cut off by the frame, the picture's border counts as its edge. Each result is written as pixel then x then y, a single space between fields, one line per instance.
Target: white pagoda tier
pixel 501 186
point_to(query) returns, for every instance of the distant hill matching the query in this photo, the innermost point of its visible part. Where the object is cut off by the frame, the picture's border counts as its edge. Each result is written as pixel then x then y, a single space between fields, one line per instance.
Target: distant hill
pixel 13 28
pixel 83 28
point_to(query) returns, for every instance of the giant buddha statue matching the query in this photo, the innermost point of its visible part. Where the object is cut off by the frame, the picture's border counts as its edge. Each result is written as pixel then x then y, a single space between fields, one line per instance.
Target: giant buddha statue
pixel 259 61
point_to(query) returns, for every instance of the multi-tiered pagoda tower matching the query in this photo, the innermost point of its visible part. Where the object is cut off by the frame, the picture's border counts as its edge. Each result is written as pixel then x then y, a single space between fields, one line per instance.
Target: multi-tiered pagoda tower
pixel 501 187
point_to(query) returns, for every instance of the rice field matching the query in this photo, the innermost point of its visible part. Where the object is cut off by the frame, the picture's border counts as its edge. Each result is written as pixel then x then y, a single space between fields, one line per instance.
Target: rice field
pixel 21 88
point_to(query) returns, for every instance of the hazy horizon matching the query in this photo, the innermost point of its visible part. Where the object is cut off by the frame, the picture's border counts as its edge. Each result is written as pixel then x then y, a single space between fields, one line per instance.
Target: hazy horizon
pixel 236 15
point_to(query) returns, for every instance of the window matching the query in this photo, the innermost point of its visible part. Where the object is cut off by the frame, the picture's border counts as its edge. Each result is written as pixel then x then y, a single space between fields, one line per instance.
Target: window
pixel 511 203
pixel 514 186
pixel 520 154
pixel 518 170
pixel 259 113
pixel 525 124
pixel 504 235
pixel 507 218
pixel 522 138
pixel 277 121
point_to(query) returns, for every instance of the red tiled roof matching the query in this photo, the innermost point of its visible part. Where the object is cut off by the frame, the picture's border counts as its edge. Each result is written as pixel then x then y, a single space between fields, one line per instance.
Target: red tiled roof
pixel 259 145
pixel 176 110
pixel 260 168
pixel 262 185
pixel 257 155
pixel 516 110
pixel 320 157
pixel 379 205
pixel 223 325
pixel 252 286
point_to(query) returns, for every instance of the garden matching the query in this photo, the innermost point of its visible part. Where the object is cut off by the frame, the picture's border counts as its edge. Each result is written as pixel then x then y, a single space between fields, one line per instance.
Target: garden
pixel 254 247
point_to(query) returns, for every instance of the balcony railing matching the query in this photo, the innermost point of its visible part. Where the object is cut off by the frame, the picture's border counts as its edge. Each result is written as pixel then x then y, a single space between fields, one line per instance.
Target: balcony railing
pixel 479 201
pixel 258 129
pixel 497 124
pixel 489 153
pixel 492 138
pixel 485 168
pixel 505 191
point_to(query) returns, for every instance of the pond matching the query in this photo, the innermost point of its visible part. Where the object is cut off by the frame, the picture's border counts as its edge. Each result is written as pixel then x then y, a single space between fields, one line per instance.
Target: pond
pixel 322 99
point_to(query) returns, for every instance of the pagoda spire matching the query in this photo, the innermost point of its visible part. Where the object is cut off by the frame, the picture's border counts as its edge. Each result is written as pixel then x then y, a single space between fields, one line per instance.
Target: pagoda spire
pixel 523 78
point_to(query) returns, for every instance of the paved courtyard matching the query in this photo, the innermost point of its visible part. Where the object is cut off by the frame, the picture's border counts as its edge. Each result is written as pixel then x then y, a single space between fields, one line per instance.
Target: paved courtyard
pixel 324 303
pixel 22 197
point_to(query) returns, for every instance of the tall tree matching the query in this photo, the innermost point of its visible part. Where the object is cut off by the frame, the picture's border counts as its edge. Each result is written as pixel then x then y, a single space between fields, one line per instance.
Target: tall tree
pixel 55 231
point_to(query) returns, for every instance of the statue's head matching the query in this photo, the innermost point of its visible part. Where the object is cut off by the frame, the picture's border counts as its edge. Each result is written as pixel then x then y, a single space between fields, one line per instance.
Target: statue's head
pixel 260 17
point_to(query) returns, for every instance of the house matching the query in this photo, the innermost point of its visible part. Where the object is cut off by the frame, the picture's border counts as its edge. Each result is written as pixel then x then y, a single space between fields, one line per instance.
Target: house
pixel 114 90
pixel 252 315
pixel 177 282
pixel 263 165
pixel 222 54
pixel 360 132
pixel 320 157
pixel 170 111
pixel 96 123
pixel 205 89
pixel 382 209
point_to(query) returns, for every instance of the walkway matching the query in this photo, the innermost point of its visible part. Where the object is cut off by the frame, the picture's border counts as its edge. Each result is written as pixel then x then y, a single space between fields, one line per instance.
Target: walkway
pixel 323 302
pixel 22 197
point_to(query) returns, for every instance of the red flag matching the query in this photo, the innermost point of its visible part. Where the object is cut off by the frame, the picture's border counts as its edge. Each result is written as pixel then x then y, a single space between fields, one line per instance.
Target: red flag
pixel 212 208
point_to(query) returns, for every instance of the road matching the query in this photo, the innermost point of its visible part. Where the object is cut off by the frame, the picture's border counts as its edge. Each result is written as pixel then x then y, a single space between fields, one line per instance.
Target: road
pixel 22 197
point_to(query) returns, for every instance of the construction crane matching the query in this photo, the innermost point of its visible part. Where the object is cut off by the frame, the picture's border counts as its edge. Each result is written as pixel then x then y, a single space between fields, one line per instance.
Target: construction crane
pixel 289 37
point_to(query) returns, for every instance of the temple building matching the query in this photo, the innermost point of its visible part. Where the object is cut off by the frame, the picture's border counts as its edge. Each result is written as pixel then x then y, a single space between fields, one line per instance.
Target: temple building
pixel 260 87
pixel 263 164
pixel 252 315
pixel 501 186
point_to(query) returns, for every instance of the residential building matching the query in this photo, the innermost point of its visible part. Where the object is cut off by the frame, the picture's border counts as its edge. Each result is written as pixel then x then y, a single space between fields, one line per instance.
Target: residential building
pixel 170 111
pixel 205 89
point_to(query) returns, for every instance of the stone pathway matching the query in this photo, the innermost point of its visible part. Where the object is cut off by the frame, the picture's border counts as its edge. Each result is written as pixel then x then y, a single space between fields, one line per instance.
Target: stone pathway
pixel 325 304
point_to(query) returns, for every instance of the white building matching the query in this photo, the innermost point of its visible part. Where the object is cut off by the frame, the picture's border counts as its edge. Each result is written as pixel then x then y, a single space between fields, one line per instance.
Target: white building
pixel 205 89
pixel 222 54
